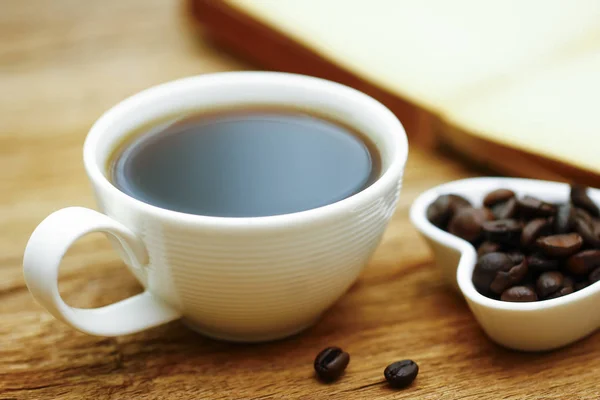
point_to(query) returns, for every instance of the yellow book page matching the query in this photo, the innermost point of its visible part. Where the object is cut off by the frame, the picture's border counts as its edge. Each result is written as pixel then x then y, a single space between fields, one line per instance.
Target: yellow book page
pixel 555 113
pixel 432 52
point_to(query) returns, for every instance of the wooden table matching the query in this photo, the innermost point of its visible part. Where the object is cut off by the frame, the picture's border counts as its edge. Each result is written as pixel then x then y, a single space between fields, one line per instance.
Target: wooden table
pixel 62 63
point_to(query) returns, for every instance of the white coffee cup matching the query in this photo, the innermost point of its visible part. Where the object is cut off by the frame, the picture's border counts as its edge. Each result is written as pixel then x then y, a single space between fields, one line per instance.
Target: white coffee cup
pixel 241 279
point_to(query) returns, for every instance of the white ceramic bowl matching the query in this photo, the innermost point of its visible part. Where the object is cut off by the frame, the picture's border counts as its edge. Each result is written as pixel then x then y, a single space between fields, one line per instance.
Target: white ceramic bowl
pixel 534 326
pixel 240 279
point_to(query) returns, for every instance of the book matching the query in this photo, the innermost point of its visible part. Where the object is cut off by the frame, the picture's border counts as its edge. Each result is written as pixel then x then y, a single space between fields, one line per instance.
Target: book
pixel 514 85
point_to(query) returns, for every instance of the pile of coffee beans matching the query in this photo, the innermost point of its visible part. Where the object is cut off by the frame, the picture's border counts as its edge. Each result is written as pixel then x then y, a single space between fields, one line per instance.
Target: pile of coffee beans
pixel 528 249
pixel 331 363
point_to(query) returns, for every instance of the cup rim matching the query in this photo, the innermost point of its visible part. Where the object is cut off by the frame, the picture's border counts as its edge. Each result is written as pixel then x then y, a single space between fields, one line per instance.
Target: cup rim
pixel 390 176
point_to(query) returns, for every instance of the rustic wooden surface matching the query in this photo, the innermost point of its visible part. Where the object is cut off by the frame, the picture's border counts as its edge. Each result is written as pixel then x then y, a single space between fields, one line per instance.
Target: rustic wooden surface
pixel 62 63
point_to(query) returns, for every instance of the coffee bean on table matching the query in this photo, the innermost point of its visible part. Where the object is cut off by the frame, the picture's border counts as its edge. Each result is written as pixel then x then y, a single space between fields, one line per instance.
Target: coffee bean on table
pixel 467 223
pixel 401 373
pixel 443 208
pixel 330 363
pixel 504 231
pixel 562 245
pixel 519 294
pixel 564 218
pixel 488 247
pixel 487 268
pixel 594 276
pixel 531 207
pixel 507 209
pixel 503 280
pixel 580 198
pixel 534 229
pixel 539 263
pixel 498 196
pixel 583 262
pixel 548 283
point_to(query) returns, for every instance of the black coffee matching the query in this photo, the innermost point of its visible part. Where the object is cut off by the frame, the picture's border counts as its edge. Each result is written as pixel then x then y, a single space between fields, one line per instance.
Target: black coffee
pixel 244 163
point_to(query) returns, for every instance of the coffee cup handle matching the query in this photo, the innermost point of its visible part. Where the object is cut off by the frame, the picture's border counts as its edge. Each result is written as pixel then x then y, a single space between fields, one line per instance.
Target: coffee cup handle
pixel 44 252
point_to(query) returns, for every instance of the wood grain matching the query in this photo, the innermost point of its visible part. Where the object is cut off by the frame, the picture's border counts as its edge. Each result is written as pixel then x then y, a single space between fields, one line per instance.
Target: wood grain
pixel 64 62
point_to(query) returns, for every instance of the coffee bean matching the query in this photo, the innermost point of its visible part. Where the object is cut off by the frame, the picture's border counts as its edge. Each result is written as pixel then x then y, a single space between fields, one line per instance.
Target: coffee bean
pixel 505 231
pixel 534 229
pixel 488 247
pixel 581 285
pixel 401 373
pixel 567 288
pixel 443 209
pixel 507 209
pixel 530 249
pixel 583 214
pixel 564 218
pixel 519 294
pixel 580 198
pixel 330 363
pixel 548 283
pixel 503 280
pixel 467 223
pixel 487 268
pixel 498 196
pixel 516 256
pixel 562 245
pixel 539 263
pixel 568 281
pixel 561 292
pixel 583 262
pixel 531 207
pixel 594 276
pixel 588 229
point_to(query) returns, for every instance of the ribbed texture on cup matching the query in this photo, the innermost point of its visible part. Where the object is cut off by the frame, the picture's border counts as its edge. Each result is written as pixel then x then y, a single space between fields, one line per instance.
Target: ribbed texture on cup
pixel 250 287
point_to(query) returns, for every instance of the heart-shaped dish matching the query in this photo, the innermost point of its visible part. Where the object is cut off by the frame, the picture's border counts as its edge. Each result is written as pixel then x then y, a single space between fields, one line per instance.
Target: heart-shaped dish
pixel 535 326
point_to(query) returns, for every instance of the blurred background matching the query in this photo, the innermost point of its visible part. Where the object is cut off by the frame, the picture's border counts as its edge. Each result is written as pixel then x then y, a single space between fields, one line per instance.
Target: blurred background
pixel 511 85
pixel 491 81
